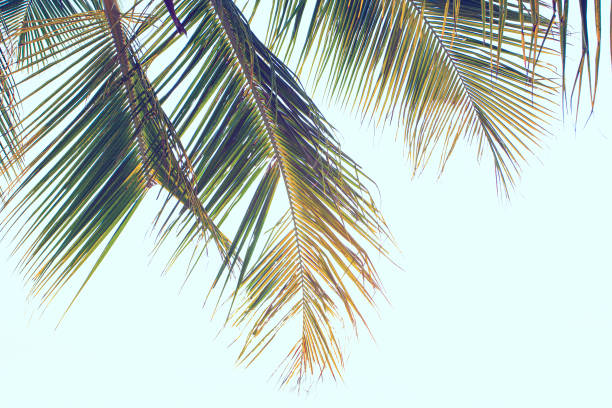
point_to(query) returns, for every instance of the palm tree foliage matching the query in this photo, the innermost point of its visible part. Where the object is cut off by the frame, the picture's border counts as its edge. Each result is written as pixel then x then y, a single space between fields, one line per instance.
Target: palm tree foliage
pixel 430 64
pixel 99 106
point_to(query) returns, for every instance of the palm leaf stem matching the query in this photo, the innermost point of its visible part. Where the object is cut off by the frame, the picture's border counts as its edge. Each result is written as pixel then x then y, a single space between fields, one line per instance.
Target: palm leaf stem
pixel 254 93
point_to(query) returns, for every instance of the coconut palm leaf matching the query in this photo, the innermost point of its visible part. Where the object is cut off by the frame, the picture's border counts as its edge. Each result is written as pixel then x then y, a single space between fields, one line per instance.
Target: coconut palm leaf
pixel 99 139
pixel 442 70
pixel 21 21
pixel 102 141
pixel 22 37
pixel 9 142
pixel 254 128
pixel 586 24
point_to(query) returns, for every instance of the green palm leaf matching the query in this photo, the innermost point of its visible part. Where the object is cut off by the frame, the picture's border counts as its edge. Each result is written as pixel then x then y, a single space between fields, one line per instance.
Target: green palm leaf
pixel 99 139
pixel 442 70
pixel 9 144
pixel 262 130
pixel 22 38
pixel 93 167
pixel 241 126
pixel 21 21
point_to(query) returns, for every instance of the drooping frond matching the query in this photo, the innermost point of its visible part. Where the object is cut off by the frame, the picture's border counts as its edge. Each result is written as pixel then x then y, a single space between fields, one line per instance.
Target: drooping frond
pixel 588 23
pixel 23 40
pixel 254 128
pixel 100 140
pixel 9 141
pixel 27 37
pixel 244 138
pixel 443 70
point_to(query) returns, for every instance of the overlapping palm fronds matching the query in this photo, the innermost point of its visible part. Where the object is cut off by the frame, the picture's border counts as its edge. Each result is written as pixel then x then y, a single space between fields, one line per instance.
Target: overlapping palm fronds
pixel 27 37
pixel 250 116
pixel 26 42
pixel 9 142
pixel 99 138
pixel 443 68
pixel 587 23
pixel 242 138
pixel 103 140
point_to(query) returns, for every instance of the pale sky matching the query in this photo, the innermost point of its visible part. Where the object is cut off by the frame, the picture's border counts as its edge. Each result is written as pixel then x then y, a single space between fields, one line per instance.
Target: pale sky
pixel 499 304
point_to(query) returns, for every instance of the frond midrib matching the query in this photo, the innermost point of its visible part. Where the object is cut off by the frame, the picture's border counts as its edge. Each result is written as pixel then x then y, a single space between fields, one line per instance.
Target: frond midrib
pixel 111 11
pixel 466 89
pixel 253 92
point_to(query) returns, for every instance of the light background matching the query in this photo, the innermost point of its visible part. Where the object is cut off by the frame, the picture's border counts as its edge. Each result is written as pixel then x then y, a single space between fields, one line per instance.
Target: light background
pixel 500 304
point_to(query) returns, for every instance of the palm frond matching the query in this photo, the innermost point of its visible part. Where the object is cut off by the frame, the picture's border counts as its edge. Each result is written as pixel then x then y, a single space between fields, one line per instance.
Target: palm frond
pixel 441 70
pixel 9 142
pixel 21 21
pixel 23 39
pixel 103 140
pixel 587 24
pixel 254 128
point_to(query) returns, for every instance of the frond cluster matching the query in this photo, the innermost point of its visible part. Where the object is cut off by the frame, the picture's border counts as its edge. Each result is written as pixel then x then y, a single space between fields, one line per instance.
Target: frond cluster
pixel 100 105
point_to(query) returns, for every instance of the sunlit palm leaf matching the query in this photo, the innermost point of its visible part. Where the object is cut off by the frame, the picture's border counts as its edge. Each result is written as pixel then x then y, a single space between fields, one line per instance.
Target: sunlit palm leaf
pixel 21 20
pixel 253 125
pixel 23 38
pixel 587 24
pixel 9 141
pixel 443 70
pixel 103 140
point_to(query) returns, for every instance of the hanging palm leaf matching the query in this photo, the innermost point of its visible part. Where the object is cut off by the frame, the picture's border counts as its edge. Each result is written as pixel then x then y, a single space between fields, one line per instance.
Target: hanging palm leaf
pixel 100 139
pixel 9 142
pixel 444 70
pixel 94 137
pixel 315 260
pixel 95 166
